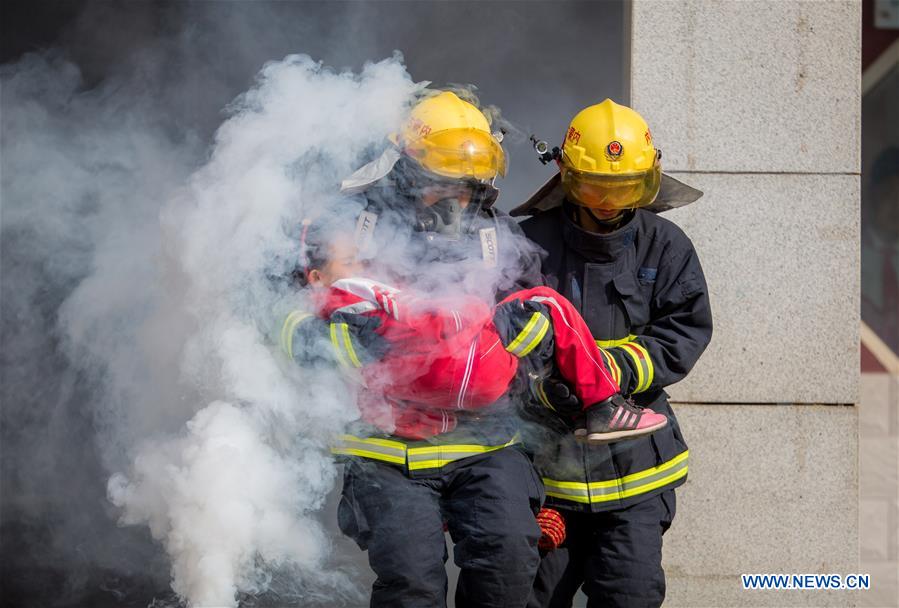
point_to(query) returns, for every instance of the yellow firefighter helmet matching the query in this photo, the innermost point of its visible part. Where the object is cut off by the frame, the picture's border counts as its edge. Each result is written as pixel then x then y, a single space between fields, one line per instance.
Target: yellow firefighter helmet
pixel 451 138
pixel 608 159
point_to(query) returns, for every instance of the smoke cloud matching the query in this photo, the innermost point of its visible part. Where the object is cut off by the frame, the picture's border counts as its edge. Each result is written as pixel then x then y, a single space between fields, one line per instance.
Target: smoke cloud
pixel 221 445
pixel 145 235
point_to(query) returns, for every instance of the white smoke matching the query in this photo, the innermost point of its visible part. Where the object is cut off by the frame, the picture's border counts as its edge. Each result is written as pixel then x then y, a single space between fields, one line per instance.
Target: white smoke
pixel 234 497
pixel 220 443
pixel 133 257
pixel 175 258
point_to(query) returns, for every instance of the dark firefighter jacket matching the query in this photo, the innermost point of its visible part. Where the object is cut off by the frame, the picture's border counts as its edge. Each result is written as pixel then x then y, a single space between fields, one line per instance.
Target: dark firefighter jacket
pixel 643 295
pixel 478 432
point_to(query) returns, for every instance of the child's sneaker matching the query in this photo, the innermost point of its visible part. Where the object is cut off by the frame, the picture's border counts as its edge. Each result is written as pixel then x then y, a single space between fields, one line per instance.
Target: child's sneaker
pixel 617 419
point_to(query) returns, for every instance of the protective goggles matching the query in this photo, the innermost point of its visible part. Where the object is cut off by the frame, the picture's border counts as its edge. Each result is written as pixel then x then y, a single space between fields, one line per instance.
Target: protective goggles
pixel 612 192
pixel 459 154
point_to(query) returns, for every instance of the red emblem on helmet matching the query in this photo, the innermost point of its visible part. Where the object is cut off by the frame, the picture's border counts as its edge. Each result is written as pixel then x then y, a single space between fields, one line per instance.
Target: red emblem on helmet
pixel 614 149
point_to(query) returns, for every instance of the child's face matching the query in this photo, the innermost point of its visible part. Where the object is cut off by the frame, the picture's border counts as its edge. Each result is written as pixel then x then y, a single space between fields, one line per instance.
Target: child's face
pixel 342 263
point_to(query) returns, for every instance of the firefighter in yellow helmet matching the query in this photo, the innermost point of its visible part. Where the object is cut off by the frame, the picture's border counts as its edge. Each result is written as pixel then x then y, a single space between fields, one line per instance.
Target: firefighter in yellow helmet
pixel 451 138
pixel 637 281
pixel 609 164
pixel 440 169
pixel 466 471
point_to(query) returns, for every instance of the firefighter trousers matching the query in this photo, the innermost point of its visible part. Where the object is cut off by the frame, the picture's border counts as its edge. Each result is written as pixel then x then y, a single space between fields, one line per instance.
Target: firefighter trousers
pixel 615 555
pixel 488 503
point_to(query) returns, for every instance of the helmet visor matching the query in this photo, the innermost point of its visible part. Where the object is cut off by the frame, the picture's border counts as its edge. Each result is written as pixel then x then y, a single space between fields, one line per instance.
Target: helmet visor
pixel 612 192
pixel 459 154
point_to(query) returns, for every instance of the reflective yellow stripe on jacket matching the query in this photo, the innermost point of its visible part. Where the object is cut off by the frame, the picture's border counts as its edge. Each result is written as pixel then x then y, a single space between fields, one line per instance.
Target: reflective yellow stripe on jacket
pixel 417 458
pixel 614 343
pixel 642 363
pixel 612 365
pixel 343 345
pixel 436 456
pixel 640 356
pixel 621 488
pixel 291 323
pixel 393 452
pixel 541 395
pixel 529 337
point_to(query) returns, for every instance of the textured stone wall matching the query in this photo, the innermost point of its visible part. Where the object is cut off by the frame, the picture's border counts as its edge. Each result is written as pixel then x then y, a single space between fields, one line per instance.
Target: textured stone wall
pixel 757 103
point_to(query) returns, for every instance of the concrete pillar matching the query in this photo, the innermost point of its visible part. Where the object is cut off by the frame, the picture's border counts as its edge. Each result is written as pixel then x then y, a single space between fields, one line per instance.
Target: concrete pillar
pixel 758 104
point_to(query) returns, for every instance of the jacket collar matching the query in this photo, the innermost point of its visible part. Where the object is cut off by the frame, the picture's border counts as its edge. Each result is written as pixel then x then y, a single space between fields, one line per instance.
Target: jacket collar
pixel 594 246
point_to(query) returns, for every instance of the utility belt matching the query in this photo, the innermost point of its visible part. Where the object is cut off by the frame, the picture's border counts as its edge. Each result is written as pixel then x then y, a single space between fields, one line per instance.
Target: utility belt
pixel 420 458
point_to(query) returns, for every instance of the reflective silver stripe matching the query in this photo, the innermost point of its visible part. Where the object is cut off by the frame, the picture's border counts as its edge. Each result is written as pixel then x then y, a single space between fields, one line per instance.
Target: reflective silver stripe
pixel 576 492
pixel 446 455
pixel 530 336
pixel 612 365
pixel 622 488
pixel 291 323
pixel 395 452
pixel 434 457
pixel 343 345
pixel 641 482
pixel 377 449
pixel 357 308
pixel 642 365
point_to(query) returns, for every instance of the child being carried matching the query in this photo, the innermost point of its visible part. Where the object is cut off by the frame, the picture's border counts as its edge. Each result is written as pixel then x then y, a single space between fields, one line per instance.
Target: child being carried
pixel 459 353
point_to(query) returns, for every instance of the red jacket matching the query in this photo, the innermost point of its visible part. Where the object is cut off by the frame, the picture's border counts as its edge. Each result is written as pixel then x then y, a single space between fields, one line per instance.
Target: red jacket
pixel 447 355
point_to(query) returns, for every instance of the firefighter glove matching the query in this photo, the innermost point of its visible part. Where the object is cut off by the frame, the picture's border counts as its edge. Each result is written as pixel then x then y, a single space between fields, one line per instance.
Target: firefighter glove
pixel 552 528
pixel 557 396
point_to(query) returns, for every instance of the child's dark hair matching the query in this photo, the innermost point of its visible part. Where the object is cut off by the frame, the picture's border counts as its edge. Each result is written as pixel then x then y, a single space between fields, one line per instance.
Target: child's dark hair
pixel 315 240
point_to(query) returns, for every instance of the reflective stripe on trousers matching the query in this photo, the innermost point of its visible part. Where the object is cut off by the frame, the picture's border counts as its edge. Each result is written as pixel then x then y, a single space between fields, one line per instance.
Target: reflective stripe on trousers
pixel 621 488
